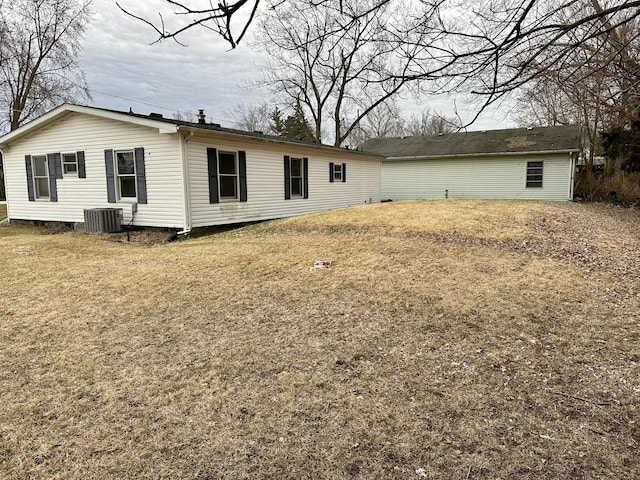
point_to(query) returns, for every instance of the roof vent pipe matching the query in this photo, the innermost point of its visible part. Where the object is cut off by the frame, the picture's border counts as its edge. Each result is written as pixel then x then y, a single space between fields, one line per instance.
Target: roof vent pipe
pixel 201 117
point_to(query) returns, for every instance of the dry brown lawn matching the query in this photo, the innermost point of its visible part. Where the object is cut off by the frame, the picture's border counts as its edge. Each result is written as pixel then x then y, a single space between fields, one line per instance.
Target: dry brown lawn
pixel 449 339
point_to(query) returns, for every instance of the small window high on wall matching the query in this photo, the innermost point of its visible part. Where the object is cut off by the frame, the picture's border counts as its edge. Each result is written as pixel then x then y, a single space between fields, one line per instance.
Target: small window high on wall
pixel 69 163
pixel 337 172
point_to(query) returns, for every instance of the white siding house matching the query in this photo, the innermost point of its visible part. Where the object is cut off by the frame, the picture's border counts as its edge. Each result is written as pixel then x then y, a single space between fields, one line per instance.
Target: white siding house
pixel 169 173
pixel 531 164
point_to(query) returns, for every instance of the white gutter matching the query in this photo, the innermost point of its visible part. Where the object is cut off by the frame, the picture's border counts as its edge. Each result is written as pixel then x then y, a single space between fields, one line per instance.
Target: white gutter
pixel 467 155
pixel 572 173
pixel 277 141
pixel 186 184
pixel 4 166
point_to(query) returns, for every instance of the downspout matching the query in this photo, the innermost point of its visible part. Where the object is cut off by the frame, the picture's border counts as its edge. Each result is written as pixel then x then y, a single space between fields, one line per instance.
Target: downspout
pixel 572 173
pixel 4 177
pixel 186 185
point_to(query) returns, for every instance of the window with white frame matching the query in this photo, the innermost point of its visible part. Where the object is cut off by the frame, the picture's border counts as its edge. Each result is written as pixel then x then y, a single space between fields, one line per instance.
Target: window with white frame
pixel 69 163
pixel 297 177
pixel 125 173
pixel 228 175
pixel 534 174
pixel 40 176
pixel 337 172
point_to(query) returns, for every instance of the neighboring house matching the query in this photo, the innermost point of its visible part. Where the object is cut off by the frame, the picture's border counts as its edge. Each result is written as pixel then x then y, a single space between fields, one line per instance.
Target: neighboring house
pixel 521 163
pixel 175 174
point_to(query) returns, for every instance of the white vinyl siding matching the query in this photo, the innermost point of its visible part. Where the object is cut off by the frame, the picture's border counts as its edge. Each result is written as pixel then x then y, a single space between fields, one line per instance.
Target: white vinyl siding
pixel 500 177
pixel 265 181
pixel 92 134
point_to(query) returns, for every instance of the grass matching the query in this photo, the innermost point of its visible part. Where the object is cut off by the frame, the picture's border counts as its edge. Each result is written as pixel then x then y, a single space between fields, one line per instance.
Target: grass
pixel 3 212
pixel 449 339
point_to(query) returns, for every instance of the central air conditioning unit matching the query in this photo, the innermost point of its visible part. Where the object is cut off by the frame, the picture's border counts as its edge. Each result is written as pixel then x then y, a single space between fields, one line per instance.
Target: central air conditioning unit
pixel 103 220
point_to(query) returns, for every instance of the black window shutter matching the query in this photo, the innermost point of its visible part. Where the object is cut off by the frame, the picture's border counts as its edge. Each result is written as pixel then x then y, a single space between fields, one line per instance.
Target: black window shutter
pixel 331 171
pixel 141 175
pixel 111 181
pixel 242 167
pixel 212 165
pixel 344 172
pixel 29 167
pixel 53 185
pixel 305 181
pixel 82 170
pixel 287 177
pixel 57 158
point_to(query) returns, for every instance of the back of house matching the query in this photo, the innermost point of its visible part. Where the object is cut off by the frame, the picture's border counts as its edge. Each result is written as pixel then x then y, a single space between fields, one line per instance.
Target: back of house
pixel 166 173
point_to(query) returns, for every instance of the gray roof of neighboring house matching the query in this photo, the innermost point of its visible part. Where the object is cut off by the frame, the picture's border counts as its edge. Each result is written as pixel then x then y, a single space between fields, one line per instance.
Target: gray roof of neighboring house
pixel 514 140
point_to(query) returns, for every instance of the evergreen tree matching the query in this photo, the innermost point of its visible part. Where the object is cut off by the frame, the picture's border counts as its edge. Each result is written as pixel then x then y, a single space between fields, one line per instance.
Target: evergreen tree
pixel 294 126
pixel 277 124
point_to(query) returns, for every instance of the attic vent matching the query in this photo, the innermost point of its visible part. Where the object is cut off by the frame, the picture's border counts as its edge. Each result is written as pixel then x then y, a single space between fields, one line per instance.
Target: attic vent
pixel 103 220
pixel 155 115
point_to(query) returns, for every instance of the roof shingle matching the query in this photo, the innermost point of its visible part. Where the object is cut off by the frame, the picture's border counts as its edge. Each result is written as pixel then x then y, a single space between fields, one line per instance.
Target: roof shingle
pixel 514 140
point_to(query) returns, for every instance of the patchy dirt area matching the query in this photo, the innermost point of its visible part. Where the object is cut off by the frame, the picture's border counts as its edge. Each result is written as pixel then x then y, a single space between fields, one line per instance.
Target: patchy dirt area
pixel 575 240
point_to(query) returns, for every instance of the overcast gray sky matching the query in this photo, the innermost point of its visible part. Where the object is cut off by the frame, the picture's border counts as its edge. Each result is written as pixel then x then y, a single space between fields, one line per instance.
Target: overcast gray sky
pixel 124 69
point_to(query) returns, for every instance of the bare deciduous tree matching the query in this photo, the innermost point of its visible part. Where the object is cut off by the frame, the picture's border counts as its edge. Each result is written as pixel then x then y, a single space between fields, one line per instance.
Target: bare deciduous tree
pixel 490 47
pixel 338 72
pixel 221 19
pixel 40 47
pixel 383 121
pixel 428 123
pixel 599 88
pixel 253 118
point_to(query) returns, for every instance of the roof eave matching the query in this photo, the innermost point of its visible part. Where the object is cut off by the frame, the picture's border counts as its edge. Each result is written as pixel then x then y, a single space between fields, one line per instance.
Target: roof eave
pixel 277 141
pixel 498 154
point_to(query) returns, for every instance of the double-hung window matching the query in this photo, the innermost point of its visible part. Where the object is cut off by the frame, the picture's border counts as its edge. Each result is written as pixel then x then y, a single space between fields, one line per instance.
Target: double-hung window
pixel 337 172
pixel 228 175
pixel 125 173
pixel 69 163
pixel 297 177
pixel 40 176
pixel 534 174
